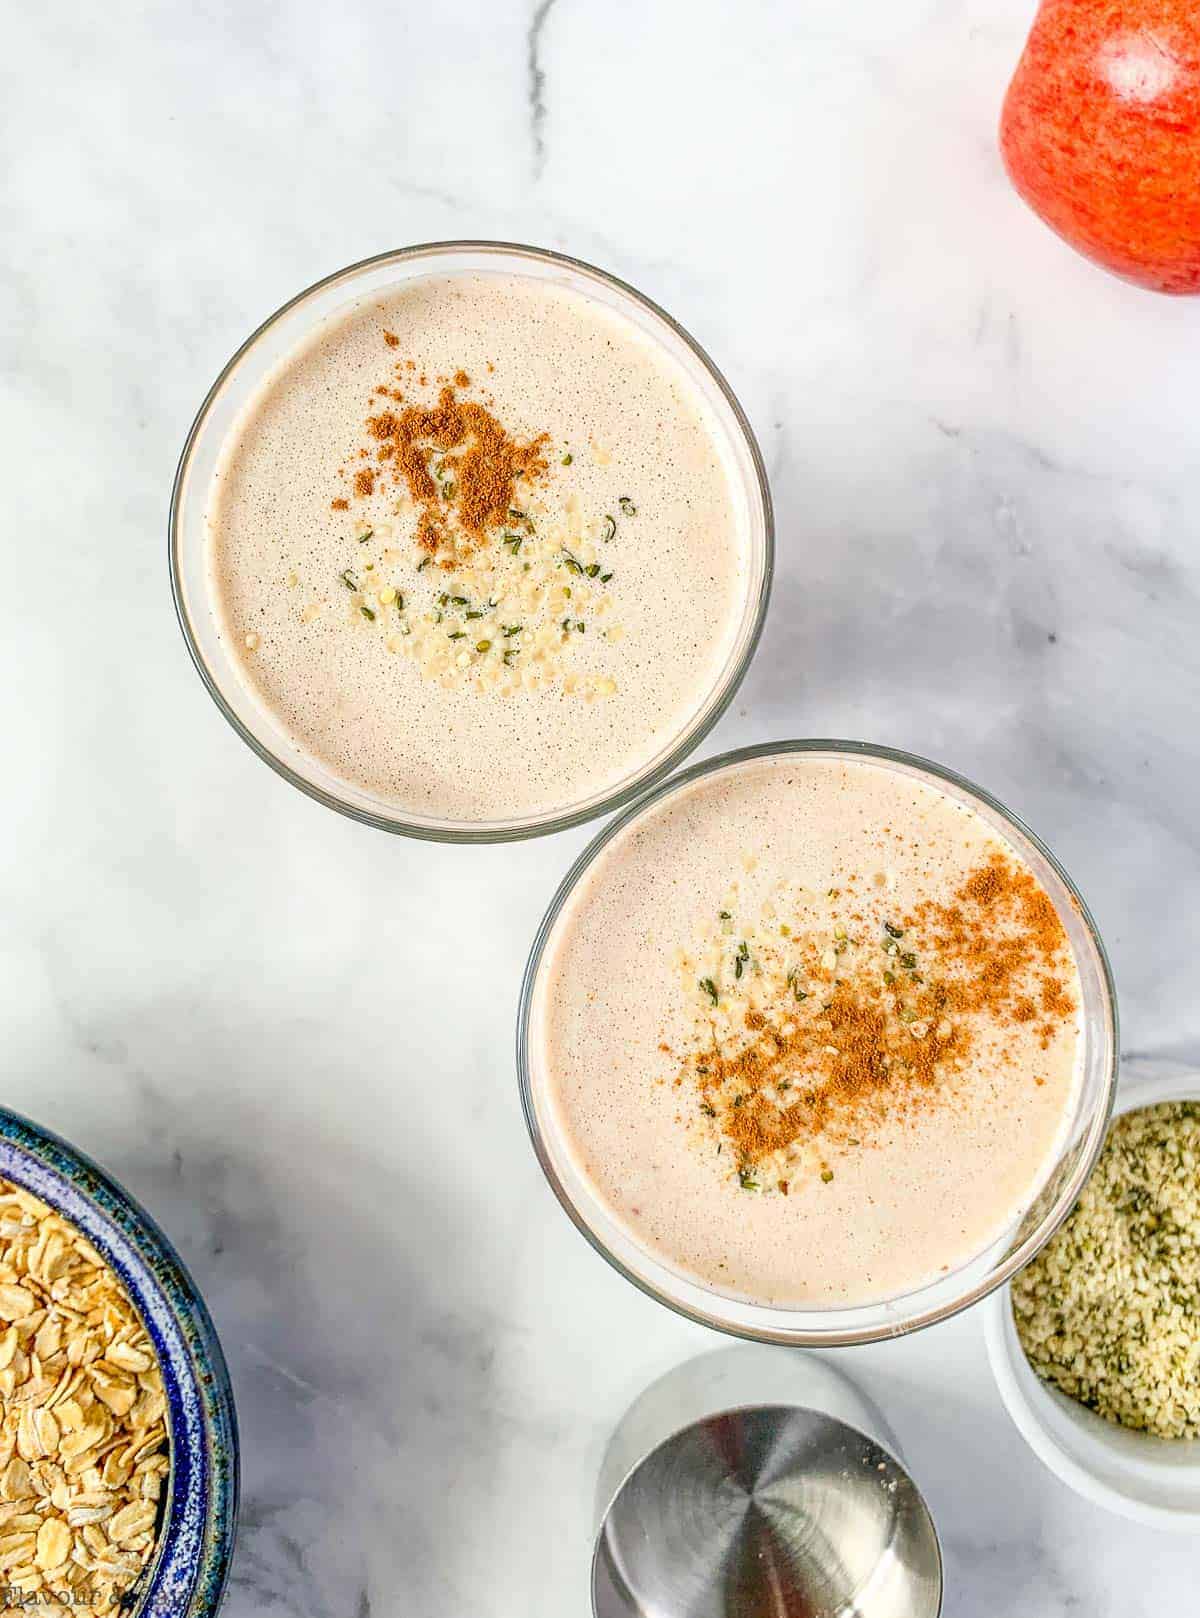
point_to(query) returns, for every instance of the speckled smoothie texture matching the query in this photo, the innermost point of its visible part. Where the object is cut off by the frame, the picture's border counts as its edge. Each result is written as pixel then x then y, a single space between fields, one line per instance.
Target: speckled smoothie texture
pixel 672 930
pixel 639 486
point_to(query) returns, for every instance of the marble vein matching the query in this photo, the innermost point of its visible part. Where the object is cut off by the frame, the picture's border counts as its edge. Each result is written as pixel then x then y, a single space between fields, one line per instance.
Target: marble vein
pixel 537 83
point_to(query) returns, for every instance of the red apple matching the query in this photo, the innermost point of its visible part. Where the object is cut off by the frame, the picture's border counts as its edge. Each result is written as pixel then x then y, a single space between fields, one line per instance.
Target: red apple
pixel 1100 134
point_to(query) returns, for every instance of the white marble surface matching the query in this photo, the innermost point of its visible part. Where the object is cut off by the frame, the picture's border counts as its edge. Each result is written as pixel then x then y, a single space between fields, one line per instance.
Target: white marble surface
pixel 291 1036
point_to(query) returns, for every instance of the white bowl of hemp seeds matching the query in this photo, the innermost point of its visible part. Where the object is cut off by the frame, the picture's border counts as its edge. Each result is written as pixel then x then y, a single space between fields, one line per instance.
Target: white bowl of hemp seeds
pixel 1095 1345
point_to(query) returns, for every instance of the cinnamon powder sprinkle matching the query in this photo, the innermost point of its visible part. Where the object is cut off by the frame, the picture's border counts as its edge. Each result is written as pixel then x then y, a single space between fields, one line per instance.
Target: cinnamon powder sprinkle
pixel 881 1030
pixel 458 464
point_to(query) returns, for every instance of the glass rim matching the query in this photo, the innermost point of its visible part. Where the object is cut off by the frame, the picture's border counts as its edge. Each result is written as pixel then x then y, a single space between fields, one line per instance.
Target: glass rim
pixel 791 1331
pixel 719 697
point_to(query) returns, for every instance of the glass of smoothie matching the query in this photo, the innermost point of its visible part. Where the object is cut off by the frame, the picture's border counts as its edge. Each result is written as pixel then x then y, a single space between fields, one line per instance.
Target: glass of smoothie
pixel 817 1043
pixel 471 541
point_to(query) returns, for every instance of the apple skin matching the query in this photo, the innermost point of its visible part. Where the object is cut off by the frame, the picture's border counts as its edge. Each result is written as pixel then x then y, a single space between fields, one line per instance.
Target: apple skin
pixel 1100 134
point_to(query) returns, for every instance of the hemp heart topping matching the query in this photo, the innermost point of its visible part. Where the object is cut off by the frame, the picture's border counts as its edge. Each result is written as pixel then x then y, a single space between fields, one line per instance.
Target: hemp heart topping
pixel 466 561
pixel 1109 1310
pixel 83 1440
pixel 811 1033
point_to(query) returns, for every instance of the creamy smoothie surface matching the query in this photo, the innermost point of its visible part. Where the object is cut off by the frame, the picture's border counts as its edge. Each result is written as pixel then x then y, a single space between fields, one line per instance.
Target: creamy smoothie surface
pixel 477 546
pixel 811 1031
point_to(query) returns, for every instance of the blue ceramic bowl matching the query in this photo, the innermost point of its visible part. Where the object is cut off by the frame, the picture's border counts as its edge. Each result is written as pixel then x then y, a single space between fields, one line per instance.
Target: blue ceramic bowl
pixel 186 1578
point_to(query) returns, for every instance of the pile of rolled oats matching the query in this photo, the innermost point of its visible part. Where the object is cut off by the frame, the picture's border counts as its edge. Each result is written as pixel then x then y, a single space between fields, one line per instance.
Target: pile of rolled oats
pixel 83 1441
